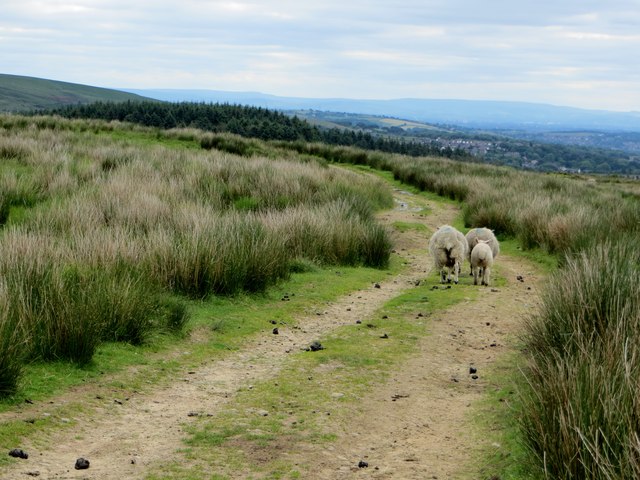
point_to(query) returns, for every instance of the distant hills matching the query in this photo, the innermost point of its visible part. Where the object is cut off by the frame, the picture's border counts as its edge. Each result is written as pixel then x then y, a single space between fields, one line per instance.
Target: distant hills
pixel 20 94
pixel 475 114
pixel 523 135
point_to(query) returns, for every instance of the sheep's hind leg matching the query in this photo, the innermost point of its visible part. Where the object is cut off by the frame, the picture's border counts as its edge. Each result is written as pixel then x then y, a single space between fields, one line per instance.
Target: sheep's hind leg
pixel 485 276
pixel 443 276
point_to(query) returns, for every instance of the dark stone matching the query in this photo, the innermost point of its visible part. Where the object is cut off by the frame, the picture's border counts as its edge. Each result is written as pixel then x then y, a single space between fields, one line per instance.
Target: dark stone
pixel 17 453
pixel 475 377
pixel 473 370
pixel 275 331
pixel 362 464
pixel 377 285
pixel 315 346
pixel 82 464
pixel 384 336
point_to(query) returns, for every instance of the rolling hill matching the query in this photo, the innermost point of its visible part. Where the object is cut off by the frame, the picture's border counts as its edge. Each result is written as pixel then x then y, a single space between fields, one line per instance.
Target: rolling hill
pixel 477 114
pixel 20 94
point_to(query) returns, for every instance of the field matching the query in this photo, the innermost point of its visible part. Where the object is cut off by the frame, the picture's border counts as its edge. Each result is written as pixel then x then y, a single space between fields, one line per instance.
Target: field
pixel 142 277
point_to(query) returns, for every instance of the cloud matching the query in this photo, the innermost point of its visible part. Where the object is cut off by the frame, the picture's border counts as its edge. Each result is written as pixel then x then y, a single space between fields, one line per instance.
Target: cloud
pixel 547 51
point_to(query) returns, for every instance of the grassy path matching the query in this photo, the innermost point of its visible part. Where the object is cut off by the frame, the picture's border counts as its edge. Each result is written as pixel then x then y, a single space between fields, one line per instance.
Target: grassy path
pixel 392 387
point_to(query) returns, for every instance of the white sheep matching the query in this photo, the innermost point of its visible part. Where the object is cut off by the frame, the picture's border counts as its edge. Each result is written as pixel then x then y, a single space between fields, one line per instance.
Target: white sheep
pixel 482 233
pixel 449 248
pixel 481 262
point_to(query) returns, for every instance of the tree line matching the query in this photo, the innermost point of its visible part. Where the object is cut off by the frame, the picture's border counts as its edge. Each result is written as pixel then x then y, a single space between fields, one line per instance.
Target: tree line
pixel 252 122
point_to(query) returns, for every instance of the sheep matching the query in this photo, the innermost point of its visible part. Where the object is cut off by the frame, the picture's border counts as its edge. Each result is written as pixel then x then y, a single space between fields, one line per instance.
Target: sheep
pixel 484 234
pixel 481 261
pixel 449 248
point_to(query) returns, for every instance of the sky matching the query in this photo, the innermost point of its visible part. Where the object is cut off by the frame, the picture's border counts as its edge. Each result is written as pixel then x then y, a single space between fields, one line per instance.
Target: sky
pixel 581 53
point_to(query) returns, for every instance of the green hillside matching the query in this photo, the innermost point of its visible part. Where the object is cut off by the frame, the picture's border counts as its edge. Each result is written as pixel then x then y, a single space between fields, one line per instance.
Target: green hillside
pixel 19 94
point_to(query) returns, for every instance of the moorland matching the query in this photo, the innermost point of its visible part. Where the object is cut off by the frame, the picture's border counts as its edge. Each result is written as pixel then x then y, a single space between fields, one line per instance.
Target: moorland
pixel 163 251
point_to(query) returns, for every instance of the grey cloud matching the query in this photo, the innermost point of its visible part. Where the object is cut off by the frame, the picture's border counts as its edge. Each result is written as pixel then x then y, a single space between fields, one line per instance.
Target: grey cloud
pixel 378 49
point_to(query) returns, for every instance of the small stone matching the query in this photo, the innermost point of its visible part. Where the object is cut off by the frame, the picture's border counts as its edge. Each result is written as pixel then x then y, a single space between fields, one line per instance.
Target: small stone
pixel 358 322
pixel 275 331
pixel 362 464
pixel 377 285
pixel 473 370
pixel 273 322
pixel 315 346
pixel 384 336
pixel 82 464
pixel 18 453
pixel 475 377
pixel 384 317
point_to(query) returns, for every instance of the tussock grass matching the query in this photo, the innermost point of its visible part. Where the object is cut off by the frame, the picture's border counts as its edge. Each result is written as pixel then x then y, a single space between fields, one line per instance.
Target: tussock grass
pixel 110 228
pixel 580 413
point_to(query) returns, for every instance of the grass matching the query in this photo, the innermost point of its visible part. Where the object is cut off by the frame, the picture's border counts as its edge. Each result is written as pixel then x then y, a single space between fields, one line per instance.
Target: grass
pixel 120 368
pixel 408 226
pixel 579 414
pixel 496 417
pixel 113 221
pixel 50 179
pixel 23 93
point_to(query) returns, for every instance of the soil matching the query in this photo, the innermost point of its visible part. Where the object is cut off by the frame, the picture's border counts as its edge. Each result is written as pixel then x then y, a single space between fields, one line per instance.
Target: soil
pixel 418 425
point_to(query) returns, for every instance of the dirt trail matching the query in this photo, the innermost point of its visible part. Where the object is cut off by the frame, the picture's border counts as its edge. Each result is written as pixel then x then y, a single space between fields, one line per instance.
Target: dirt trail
pixel 422 434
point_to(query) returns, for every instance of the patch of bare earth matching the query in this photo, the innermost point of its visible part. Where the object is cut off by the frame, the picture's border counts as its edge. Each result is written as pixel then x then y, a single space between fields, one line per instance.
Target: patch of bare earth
pixel 415 426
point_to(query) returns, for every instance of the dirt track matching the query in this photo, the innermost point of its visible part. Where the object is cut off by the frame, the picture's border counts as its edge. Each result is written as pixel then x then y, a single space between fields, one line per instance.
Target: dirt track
pixel 416 426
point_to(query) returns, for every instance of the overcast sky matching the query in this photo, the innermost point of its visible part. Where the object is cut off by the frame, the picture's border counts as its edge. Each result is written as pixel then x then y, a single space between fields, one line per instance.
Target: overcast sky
pixel 583 53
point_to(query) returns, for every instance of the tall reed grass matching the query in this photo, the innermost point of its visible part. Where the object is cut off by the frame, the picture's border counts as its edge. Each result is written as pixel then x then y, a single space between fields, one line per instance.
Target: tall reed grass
pixel 581 410
pixel 114 231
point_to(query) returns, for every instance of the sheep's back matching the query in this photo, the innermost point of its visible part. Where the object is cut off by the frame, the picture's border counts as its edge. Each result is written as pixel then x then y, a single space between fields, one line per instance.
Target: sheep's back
pixel 482 233
pixel 448 237
pixel 481 255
